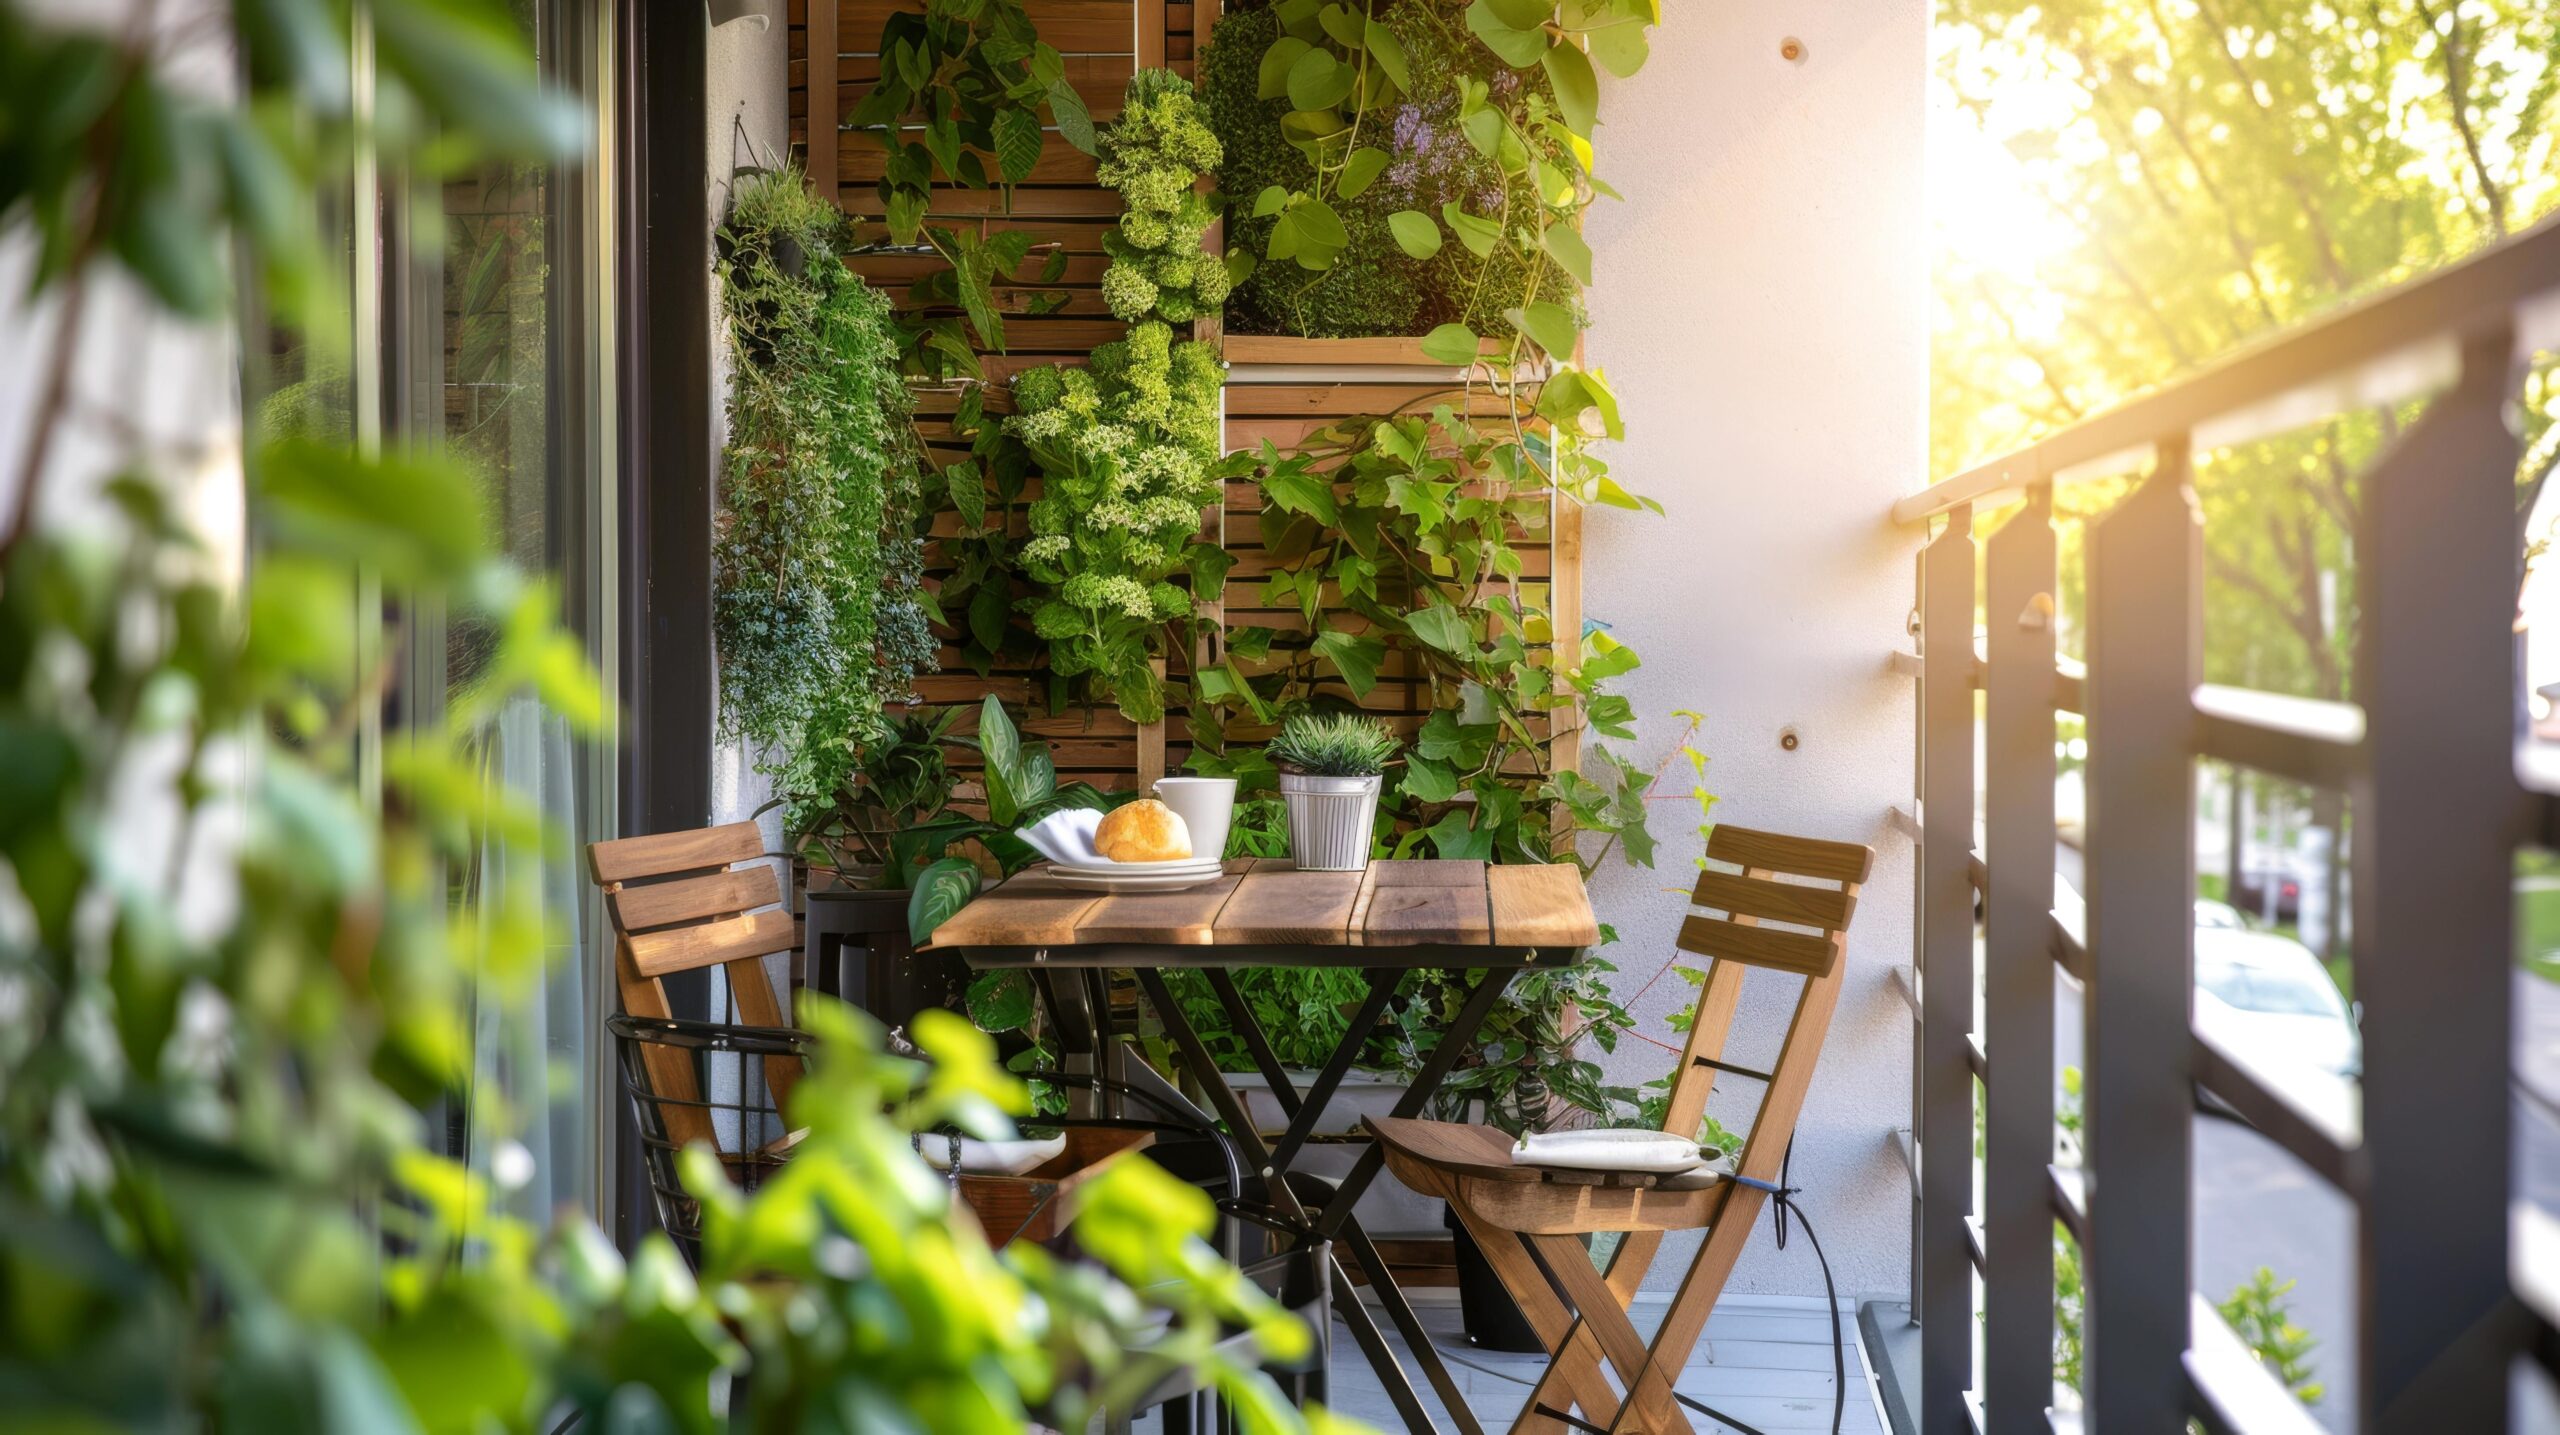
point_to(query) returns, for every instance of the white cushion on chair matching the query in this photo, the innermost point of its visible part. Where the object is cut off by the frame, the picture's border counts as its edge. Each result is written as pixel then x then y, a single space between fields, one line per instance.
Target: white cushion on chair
pixel 1609 1150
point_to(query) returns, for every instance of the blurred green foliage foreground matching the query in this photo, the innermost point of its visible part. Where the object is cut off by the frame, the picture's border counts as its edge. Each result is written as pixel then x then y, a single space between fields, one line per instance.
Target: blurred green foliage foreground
pixel 231 971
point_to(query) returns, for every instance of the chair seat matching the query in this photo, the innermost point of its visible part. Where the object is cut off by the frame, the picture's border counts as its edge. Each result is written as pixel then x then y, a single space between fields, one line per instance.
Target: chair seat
pixel 1456 1161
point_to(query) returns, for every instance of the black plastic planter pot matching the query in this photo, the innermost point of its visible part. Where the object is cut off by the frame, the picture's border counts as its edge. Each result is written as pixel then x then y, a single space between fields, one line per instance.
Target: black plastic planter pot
pixel 1492 1318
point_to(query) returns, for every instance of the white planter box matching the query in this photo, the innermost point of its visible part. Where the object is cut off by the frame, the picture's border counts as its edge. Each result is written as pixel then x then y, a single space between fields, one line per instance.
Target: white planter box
pixel 1388 1209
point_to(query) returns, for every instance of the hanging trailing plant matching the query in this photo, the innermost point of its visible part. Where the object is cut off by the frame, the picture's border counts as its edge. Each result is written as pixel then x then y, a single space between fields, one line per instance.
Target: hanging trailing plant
pixel 818 603
pixel 1126 445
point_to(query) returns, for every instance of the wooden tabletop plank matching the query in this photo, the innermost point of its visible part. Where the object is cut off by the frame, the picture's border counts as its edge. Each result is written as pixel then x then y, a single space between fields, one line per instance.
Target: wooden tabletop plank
pixel 1404 904
pixel 1276 904
pixel 1428 872
pixel 1029 909
pixel 1541 906
pixel 1186 918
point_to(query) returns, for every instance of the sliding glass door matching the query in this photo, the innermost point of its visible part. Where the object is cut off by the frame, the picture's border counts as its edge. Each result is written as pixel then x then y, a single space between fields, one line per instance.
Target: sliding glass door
pixel 498 337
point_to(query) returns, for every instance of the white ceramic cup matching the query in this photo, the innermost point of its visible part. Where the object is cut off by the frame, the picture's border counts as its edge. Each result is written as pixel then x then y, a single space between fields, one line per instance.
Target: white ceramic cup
pixel 1206 805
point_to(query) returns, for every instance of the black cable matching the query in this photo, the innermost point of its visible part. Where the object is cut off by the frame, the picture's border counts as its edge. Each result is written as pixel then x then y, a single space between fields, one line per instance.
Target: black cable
pixel 1782 1202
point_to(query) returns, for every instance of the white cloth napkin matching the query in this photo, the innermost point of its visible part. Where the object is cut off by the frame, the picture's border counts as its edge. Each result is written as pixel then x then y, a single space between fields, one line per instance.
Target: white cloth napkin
pixel 1066 836
pixel 1609 1150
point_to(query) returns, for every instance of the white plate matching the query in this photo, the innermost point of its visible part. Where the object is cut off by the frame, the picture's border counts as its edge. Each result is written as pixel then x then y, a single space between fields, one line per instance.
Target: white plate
pixel 1188 866
pixel 1117 882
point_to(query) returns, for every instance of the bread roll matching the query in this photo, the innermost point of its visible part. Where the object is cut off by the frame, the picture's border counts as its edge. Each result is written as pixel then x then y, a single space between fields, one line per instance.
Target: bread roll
pixel 1144 831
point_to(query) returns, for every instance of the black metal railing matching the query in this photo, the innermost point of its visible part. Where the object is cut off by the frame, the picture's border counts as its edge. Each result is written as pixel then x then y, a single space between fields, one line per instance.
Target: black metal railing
pixel 2442 796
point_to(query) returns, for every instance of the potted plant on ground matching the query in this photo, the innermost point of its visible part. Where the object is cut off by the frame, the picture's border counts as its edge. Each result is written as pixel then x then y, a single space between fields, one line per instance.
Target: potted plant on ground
pixel 1331 766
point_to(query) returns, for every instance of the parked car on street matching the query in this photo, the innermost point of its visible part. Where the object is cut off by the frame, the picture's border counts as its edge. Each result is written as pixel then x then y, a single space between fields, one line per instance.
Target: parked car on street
pixel 2266 999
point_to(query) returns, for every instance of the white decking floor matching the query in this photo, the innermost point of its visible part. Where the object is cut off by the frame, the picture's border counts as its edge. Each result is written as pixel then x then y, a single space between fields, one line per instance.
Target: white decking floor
pixel 1765 1361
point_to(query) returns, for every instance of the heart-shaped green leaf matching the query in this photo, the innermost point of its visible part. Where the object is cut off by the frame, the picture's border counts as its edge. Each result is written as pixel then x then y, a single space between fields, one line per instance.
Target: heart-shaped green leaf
pixel 1360 171
pixel 1441 627
pixel 1270 202
pixel 1568 250
pixel 1473 231
pixel 1388 51
pixel 1318 81
pixel 1518 47
pixel 1550 326
pixel 1621 47
pixel 1272 81
pixel 1450 344
pixel 1356 657
pixel 1577 89
pixel 1522 14
pixel 1318 224
pixel 1347 28
pixel 1414 233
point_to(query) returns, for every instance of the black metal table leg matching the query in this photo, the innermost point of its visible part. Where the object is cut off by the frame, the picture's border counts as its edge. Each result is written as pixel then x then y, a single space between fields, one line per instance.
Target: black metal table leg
pixel 1364 1330
pixel 1070 1008
pixel 1335 1221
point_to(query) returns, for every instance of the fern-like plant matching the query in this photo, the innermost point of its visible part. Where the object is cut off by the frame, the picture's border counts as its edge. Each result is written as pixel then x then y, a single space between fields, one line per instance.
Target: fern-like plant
pixel 818 599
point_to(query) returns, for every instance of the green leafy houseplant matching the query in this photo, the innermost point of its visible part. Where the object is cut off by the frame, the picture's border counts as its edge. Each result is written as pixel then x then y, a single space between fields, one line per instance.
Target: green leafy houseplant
pixel 959 99
pixel 818 599
pixel 1125 445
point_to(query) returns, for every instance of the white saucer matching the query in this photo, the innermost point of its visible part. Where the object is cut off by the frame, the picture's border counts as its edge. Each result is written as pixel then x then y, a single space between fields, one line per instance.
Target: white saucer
pixel 1126 882
pixel 1186 866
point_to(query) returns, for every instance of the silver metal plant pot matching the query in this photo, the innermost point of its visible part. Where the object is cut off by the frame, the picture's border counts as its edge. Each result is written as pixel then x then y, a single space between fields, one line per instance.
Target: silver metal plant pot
pixel 1329 820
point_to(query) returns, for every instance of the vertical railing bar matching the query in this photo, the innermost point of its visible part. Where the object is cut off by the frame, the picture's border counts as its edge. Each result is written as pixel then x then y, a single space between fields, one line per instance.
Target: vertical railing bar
pixel 1944 1303
pixel 2144 650
pixel 2018 763
pixel 2438 560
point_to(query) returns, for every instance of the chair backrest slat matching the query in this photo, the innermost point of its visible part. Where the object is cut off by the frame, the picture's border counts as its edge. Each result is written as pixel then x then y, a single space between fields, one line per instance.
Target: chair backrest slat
pixel 1791 902
pixel 1796 856
pixel 1755 896
pixel 1814 912
pixel 679 902
pixel 692 899
pixel 725 941
pixel 664 854
pixel 1799 952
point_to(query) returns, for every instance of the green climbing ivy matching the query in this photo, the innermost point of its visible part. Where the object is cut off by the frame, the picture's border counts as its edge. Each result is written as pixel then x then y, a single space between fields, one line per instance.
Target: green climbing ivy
pixel 1126 446
pixel 818 602
pixel 1410 524
pixel 962 87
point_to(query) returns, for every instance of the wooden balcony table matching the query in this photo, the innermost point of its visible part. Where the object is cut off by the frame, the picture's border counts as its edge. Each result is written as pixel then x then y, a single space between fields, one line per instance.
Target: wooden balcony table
pixel 1473 919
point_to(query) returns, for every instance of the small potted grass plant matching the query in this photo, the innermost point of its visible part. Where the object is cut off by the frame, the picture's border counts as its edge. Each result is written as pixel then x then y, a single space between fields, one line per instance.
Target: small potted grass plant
pixel 1330 767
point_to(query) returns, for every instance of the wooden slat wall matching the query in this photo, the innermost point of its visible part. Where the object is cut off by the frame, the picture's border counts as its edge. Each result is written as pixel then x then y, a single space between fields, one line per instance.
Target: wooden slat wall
pixel 1285 389
pixel 1104 40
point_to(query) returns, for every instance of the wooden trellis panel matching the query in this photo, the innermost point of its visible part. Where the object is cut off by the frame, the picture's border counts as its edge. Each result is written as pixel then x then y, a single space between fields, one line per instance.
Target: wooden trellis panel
pixel 1325 380
pixel 1283 389
pixel 1104 42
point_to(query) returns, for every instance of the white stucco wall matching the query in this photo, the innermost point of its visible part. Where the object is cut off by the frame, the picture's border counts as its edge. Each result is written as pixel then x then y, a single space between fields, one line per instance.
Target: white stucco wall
pixel 1761 308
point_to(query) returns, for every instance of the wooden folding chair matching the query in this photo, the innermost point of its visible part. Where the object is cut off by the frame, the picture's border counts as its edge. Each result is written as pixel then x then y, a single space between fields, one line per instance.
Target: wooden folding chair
pixel 679 902
pixel 1529 1219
